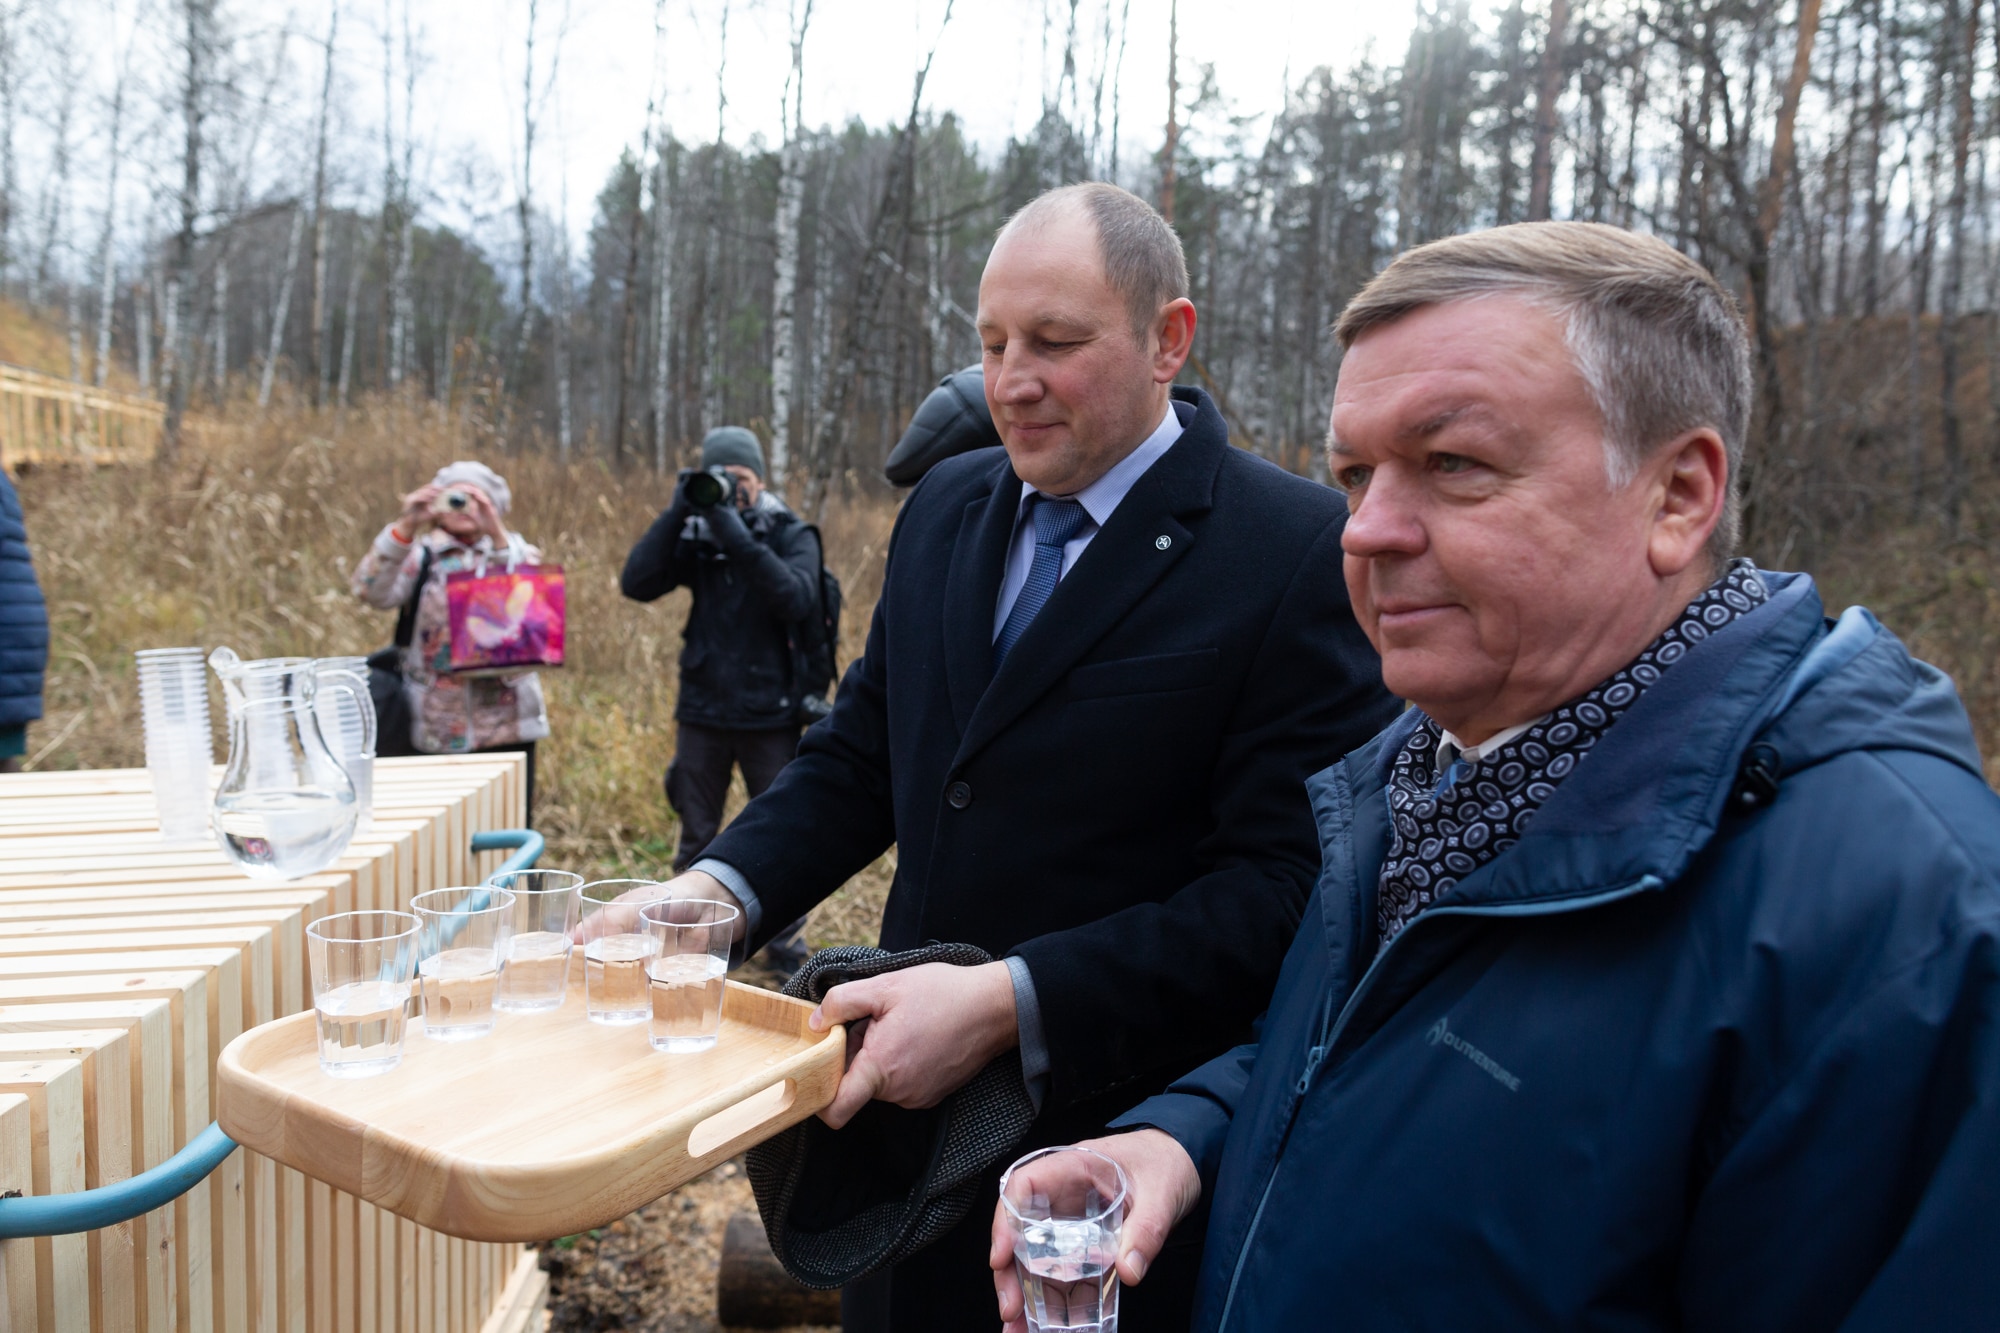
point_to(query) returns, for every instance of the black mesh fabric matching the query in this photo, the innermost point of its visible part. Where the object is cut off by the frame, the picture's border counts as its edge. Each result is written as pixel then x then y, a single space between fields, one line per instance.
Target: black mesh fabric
pixel 840 1204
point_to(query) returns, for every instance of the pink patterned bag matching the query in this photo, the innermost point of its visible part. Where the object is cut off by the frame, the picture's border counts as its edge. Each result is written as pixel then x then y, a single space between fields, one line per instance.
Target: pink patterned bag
pixel 505 619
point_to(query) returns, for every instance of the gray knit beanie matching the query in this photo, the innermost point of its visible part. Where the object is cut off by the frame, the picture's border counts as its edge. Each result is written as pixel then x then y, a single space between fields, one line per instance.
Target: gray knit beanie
pixel 727 446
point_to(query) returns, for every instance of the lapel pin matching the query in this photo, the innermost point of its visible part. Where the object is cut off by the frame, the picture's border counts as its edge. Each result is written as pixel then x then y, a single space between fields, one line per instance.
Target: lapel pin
pixel 1163 541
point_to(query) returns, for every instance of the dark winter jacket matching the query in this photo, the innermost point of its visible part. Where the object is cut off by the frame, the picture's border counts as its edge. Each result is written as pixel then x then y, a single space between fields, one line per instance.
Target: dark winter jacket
pixel 755 577
pixel 24 618
pixel 1715 1046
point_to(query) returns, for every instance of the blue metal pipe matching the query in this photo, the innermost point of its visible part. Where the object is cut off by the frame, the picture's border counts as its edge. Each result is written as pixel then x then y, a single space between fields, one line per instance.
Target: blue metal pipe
pixel 87 1210
pixel 526 842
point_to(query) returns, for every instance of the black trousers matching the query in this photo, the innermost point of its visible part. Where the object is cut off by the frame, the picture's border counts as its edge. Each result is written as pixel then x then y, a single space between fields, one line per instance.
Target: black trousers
pixel 697 781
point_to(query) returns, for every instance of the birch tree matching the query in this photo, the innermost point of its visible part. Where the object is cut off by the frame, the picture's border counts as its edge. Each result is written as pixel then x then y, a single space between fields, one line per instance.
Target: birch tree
pixel 785 278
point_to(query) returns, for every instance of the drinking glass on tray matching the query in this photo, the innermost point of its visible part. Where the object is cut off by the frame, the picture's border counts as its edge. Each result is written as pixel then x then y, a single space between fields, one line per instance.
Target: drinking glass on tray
pixel 466 932
pixel 616 949
pixel 361 965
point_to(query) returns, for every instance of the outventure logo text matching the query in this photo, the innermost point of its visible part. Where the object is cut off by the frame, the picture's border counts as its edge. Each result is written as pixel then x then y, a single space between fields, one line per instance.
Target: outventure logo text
pixel 1442 1035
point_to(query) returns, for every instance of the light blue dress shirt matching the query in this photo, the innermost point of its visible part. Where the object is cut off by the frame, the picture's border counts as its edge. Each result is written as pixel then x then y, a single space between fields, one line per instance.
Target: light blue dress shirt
pixel 1099 500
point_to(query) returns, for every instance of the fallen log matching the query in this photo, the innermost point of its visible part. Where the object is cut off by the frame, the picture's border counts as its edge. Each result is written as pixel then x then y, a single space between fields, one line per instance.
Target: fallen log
pixel 753 1290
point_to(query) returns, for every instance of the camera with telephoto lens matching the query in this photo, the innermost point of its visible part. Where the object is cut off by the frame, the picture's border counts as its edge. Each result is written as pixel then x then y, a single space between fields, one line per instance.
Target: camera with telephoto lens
pixel 708 488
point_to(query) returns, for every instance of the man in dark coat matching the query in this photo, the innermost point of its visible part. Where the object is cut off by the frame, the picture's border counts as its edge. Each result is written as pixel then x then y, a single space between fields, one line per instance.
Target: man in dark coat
pixel 1652 979
pixel 24 632
pixel 1104 660
pixel 753 569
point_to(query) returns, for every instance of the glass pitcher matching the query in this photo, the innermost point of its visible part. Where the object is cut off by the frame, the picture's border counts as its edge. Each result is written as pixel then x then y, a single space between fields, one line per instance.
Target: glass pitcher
pixel 286 806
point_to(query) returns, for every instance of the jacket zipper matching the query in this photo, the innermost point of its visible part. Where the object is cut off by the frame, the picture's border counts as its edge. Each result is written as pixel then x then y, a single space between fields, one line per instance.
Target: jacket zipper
pixel 1317 1055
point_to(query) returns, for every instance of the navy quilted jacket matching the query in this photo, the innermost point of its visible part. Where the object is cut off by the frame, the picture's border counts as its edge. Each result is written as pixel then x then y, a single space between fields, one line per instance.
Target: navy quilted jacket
pixel 1669 1063
pixel 24 618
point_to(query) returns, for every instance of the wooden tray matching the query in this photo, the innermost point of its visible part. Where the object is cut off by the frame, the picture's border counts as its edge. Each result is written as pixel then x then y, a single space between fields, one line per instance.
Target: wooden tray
pixel 551 1126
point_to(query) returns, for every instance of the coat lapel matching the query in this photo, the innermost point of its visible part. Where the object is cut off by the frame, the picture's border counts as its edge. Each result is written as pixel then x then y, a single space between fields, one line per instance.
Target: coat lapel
pixel 1144 539
pixel 972 588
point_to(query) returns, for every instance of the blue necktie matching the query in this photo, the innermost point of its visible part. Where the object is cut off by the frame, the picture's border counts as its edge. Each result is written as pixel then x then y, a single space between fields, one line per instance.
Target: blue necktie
pixel 1056 521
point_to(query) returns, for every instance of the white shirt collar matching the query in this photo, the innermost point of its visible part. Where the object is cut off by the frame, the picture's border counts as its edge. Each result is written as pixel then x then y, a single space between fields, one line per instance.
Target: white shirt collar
pixel 1104 495
pixel 1451 748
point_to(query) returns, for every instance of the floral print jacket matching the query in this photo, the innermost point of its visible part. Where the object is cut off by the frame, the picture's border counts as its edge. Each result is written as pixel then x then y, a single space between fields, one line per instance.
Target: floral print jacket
pixel 450 714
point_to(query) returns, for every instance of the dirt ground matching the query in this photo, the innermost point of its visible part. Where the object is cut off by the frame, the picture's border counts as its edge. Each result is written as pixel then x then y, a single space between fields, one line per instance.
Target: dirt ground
pixel 654 1271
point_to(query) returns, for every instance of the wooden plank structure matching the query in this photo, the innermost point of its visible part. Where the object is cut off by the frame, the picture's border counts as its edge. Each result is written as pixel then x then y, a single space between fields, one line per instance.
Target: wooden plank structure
pixel 44 420
pixel 125 968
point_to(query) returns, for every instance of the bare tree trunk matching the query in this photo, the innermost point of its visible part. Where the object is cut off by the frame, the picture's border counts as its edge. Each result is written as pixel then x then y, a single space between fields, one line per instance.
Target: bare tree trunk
pixel 628 302
pixel 107 288
pixel 1878 204
pixel 218 311
pixel 357 260
pixel 1540 167
pixel 870 279
pixel 10 29
pixel 194 89
pixel 321 338
pixel 283 310
pixel 1117 82
pixel 785 279
pixel 1770 212
pixel 1964 66
pixel 1172 155
pixel 663 282
pixel 712 305
pixel 142 320
pixel 523 210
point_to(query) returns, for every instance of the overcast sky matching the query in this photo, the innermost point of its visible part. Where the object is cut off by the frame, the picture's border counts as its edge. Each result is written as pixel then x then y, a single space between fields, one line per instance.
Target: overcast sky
pixel 860 58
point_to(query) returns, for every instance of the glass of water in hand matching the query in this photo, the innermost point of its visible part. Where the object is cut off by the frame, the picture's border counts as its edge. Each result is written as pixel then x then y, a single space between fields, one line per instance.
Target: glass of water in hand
pixel 361 965
pixel 534 971
pixel 466 932
pixel 1066 1209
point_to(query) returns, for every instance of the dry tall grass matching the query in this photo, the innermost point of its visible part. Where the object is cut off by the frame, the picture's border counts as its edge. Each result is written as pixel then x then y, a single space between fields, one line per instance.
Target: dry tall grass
pixel 250 538
pixel 249 541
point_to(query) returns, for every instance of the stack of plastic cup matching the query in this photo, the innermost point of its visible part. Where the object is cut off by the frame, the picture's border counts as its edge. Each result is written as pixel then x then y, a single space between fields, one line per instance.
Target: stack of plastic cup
pixel 173 701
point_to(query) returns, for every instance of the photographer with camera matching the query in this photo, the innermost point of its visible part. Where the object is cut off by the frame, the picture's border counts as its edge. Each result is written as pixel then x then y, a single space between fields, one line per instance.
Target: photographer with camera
pixel 454 523
pixel 754 569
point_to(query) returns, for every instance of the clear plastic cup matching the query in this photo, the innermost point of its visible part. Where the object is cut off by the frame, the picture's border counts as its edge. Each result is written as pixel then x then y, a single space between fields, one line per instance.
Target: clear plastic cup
pixel 616 948
pixel 465 936
pixel 685 980
pixel 534 974
pixel 361 965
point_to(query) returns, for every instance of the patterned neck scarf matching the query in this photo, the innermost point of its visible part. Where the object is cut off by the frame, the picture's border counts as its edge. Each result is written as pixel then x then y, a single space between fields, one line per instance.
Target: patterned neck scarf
pixel 1448 825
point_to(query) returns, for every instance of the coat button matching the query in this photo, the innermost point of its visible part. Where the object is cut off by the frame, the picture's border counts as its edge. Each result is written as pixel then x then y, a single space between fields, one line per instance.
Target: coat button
pixel 958 795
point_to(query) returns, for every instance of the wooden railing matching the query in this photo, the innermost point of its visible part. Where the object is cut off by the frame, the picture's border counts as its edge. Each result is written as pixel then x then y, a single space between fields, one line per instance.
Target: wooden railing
pixel 44 419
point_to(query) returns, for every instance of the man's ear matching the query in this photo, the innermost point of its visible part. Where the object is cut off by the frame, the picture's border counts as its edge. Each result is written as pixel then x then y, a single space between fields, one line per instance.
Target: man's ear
pixel 1173 339
pixel 1690 486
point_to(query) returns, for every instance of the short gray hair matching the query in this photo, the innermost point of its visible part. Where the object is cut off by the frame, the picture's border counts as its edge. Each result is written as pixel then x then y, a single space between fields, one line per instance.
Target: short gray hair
pixel 1143 260
pixel 1659 343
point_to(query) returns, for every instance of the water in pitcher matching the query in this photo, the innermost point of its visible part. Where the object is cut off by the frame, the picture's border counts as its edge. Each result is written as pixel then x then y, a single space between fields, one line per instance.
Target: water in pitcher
pixel 687 1001
pixel 536 974
pixel 458 993
pixel 284 834
pixel 1068 1276
pixel 361 1028
pixel 614 978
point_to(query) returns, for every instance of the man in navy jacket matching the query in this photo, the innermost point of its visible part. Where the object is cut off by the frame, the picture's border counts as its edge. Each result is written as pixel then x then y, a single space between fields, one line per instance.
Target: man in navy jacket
pixel 1652 977
pixel 1104 660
